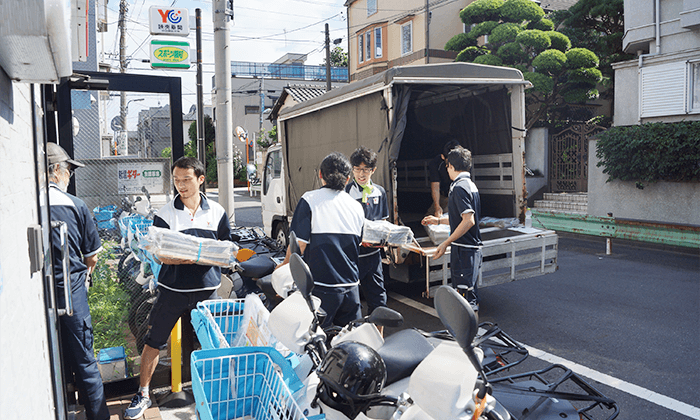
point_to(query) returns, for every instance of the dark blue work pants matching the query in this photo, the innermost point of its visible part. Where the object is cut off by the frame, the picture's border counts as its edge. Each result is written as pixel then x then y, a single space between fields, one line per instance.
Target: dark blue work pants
pixel 465 264
pixel 78 354
pixel 342 304
pixel 372 281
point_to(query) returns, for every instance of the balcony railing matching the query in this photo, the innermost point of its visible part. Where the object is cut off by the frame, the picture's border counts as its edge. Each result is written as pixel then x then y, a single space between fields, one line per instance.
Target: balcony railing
pixel 287 71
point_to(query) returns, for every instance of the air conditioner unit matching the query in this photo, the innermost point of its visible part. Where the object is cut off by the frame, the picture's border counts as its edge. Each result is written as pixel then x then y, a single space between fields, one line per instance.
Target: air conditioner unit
pixel 35 40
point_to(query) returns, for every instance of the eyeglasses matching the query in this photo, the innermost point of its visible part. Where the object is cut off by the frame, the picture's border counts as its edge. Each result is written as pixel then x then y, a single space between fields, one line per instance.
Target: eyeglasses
pixel 362 170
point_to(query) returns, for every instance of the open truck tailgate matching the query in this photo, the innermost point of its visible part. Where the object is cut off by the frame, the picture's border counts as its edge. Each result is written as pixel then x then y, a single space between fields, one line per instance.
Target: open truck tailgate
pixel 509 254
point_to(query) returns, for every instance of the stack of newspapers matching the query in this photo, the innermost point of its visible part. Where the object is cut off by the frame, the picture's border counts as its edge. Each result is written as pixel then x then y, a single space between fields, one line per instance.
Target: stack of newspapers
pixel 381 232
pixel 166 243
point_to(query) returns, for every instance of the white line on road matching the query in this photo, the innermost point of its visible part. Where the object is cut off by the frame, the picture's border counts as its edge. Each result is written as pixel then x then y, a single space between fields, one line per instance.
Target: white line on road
pixel 632 389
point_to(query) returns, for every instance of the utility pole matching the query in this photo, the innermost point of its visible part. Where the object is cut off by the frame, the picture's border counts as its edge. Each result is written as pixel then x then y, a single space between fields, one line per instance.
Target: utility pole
pixel 224 118
pixel 123 8
pixel 328 60
pixel 427 31
pixel 201 146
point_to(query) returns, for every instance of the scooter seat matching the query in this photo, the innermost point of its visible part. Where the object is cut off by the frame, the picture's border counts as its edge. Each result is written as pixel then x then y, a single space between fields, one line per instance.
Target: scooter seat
pixel 402 352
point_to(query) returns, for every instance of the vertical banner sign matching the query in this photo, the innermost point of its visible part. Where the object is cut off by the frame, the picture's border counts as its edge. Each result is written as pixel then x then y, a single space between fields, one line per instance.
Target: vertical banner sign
pixel 133 176
pixel 169 21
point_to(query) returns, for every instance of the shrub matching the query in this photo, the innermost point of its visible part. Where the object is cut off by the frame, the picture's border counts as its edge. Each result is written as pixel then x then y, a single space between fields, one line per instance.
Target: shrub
pixel 481 11
pixel 459 42
pixel 581 57
pixel 542 24
pixel 512 53
pixel 580 94
pixel 651 152
pixel 534 38
pixel 540 82
pixel 505 32
pixel 471 53
pixel 549 61
pixel 590 76
pixel 560 41
pixel 488 59
pixel 483 28
pixel 520 10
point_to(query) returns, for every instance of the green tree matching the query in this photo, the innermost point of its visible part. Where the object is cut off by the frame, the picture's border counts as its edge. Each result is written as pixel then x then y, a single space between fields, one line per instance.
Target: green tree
pixel 267 138
pixel 519 36
pixel 339 58
pixel 599 26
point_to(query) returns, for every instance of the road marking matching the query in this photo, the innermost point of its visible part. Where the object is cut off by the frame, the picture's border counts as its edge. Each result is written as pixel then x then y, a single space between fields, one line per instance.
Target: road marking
pixel 632 389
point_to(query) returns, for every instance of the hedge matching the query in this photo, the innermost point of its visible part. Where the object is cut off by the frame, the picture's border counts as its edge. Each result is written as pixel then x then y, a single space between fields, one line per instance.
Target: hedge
pixel 651 152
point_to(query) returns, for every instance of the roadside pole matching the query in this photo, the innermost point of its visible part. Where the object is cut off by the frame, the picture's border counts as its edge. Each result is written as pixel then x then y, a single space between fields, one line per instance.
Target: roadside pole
pixel 224 119
pixel 201 145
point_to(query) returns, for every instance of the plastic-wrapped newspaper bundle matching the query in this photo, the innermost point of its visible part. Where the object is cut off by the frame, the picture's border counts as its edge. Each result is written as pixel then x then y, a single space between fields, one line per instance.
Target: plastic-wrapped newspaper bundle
pixel 381 232
pixel 166 243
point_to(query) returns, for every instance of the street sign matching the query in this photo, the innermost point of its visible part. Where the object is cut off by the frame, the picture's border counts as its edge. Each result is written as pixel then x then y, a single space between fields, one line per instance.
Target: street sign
pixel 170 54
pixel 132 176
pixel 168 21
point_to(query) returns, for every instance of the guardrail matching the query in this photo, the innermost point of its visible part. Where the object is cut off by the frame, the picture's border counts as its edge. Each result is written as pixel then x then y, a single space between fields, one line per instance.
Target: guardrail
pixel 610 227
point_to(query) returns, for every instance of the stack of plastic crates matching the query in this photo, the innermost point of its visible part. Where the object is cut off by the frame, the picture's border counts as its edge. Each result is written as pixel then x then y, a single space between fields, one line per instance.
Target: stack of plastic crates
pixel 216 322
pixel 244 383
pixel 104 216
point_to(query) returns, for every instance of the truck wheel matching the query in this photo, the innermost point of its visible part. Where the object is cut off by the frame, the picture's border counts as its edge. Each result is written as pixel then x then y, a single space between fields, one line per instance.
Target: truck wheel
pixel 280 233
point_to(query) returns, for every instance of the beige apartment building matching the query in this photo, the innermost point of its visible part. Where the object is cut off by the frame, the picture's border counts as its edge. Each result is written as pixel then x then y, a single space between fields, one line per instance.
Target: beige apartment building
pixel 390 33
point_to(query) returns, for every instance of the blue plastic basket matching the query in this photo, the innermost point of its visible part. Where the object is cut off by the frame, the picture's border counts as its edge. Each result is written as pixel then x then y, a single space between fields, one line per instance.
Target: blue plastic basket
pixel 216 319
pixel 244 382
pixel 104 213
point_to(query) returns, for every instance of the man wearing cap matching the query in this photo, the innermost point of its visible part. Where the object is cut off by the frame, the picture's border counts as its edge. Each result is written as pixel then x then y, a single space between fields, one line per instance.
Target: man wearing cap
pixel 83 246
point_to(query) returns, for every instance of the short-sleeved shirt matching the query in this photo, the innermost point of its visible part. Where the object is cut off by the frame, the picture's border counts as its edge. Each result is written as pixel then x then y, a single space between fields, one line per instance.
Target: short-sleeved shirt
pixel 438 173
pixel 83 240
pixel 375 207
pixel 209 221
pixel 330 222
pixel 464 198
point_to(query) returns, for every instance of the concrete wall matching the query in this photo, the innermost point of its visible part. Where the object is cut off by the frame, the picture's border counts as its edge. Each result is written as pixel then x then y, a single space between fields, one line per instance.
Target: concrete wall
pixel 25 381
pixel 665 202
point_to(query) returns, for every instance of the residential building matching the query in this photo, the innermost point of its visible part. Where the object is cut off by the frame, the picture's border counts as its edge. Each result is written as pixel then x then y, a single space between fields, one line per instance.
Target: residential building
pixel 390 33
pixel 661 85
pixel 256 84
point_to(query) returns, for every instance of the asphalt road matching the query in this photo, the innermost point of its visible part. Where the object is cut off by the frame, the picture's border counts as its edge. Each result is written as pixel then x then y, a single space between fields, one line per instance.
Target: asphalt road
pixel 631 318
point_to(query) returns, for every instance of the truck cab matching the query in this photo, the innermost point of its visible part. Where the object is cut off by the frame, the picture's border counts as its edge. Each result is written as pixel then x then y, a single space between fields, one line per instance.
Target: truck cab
pixel 273 197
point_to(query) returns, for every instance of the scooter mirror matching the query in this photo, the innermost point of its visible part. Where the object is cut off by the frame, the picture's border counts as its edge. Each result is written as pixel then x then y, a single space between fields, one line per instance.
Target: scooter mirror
pixel 386 317
pixel 302 276
pixel 458 317
pixel 294 243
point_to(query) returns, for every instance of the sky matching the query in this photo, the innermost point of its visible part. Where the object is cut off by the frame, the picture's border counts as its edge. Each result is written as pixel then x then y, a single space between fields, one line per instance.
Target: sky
pixel 262 31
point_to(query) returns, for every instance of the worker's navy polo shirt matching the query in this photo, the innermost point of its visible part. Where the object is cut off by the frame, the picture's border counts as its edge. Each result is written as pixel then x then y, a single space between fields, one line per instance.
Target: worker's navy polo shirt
pixel 83 240
pixel 376 207
pixel 209 221
pixel 464 198
pixel 330 222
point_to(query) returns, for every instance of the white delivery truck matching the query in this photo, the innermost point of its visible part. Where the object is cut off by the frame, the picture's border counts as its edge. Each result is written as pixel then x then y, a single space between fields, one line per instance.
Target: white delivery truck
pixel 406 114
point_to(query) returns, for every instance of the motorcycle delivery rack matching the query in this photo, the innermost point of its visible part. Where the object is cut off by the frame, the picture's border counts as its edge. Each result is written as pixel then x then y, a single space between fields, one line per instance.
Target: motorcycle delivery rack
pixel 554 392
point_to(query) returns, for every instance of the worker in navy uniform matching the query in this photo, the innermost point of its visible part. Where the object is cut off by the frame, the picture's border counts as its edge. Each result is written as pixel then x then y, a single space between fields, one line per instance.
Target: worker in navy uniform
pixel 328 225
pixel 181 283
pixel 440 180
pixel 463 217
pixel 83 245
pixel 372 197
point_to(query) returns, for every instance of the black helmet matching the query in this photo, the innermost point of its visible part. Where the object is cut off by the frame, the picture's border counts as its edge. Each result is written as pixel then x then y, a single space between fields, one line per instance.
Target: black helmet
pixel 352 374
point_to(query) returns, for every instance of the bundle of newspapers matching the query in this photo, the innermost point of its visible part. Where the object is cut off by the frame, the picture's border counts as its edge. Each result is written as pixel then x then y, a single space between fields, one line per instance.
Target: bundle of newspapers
pixel 169 244
pixel 381 232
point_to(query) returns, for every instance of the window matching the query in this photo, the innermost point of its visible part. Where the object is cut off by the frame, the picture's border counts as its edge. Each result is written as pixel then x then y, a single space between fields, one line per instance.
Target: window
pixel 406 38
pixel 368 41
pixel 377 42
pixel 371 7
pixel 361 47
pixel 695 86
pixel 273 169
pixel 252 109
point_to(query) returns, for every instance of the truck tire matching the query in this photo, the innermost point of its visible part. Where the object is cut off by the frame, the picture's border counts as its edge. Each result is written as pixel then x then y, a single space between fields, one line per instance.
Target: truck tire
pixel 280 233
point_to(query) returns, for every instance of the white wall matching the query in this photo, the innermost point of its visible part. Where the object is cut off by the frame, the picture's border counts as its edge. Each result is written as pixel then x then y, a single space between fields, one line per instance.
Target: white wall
pixel 664 202
pixel 25 382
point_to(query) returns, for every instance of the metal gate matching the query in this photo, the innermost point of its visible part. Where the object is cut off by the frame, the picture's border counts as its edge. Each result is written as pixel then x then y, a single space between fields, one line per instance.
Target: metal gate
pixel 127 130
pixel 568 164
